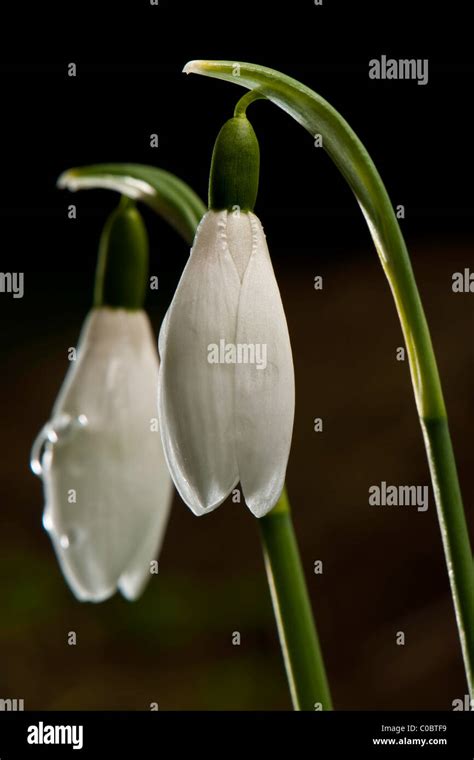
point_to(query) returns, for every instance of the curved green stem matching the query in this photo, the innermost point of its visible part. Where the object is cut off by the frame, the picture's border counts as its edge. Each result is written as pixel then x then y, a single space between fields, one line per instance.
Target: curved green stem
pixel 318 117
pixel 298 636
pixel 165 193
pixel 244 102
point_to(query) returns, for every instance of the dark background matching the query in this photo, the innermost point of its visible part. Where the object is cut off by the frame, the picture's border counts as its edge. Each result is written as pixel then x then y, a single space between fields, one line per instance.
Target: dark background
pixel 384 570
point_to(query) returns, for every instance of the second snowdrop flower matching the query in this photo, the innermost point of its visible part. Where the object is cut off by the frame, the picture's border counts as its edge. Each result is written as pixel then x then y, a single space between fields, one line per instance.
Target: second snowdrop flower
pixel 226 391
pixel 106 484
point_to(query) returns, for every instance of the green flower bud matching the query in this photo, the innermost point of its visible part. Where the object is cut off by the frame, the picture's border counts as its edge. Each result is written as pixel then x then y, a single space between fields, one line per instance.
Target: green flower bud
pixel 122 266
pixel 235 166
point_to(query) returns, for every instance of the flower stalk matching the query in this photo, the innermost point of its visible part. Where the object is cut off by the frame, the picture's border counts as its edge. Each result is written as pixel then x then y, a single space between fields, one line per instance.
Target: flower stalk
pixel 299 640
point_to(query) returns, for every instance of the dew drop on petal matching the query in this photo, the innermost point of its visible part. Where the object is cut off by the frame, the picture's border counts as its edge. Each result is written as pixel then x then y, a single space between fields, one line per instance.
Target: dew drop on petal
pixel 36 467
pixel 71 538
pixel 59 426
pixel 47 521
pixel 38 449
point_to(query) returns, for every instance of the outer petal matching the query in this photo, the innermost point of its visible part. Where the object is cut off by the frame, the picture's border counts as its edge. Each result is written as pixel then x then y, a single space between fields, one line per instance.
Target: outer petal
pixel 265 397
pixel 106 483
pixel 196 398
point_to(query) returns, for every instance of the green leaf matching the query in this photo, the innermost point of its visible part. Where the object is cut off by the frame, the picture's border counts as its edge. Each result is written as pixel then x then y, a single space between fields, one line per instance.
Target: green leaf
pixel 165 193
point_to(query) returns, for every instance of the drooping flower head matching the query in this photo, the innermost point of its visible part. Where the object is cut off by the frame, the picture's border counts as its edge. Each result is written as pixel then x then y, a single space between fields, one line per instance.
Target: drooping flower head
pixel 106 484
pixel 226 390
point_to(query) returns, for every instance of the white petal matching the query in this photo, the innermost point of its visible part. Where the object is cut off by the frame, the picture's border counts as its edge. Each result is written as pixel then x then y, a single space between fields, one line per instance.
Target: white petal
pixel 196 398
pixel 239 240
pixel 113 464
pixel 265 397
pixel 135 577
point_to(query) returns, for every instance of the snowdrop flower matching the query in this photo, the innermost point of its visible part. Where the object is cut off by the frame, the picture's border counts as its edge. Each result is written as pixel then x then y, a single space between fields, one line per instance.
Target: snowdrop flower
pixel 226 391
pixel 106 484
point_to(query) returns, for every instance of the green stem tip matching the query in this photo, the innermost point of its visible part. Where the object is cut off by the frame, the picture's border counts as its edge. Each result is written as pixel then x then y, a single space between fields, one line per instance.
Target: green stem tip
pixel 122 266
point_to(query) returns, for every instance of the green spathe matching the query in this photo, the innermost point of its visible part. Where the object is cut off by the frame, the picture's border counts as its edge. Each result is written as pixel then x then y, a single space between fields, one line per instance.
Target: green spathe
pixel 122 267
pixel 235 166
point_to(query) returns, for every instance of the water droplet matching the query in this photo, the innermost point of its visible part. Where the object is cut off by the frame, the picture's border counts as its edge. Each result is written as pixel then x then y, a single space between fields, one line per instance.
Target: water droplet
pixel 53 432
pixel 71 538
pixel 37 450
pixel 59 425
pixel 47 521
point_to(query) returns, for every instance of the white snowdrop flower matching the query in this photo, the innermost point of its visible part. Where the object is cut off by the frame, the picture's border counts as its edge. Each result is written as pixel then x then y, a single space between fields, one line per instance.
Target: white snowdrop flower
pixel 226 391
pixel 106 484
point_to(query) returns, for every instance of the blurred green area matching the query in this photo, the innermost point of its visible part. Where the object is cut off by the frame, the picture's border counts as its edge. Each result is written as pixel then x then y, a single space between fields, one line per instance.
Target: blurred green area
pixel 175 618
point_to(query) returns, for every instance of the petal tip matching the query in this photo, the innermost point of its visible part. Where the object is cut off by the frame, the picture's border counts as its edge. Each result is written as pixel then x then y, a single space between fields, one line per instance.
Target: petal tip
pixel 260 509
pixel 200 505
pixel 261 503
pixel 83 595
pixel 130 590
